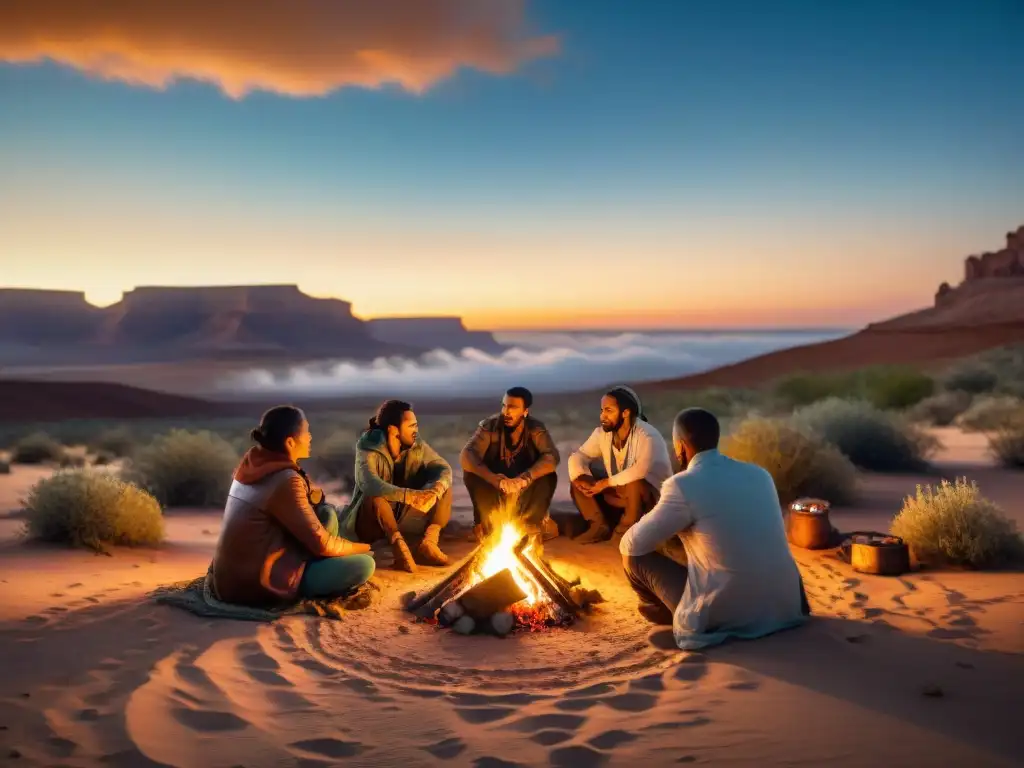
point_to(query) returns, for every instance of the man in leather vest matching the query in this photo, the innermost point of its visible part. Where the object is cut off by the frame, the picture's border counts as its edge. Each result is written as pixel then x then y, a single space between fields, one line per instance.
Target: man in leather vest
pixel 509 468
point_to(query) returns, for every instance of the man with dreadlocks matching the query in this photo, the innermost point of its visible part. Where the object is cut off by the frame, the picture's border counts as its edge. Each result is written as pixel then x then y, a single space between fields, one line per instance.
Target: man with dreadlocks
pixel 509 467
pixel 618 471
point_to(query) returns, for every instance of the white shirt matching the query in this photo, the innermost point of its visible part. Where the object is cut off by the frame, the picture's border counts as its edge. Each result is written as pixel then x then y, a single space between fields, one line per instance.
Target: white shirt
pixel 646 456
pixel 741 577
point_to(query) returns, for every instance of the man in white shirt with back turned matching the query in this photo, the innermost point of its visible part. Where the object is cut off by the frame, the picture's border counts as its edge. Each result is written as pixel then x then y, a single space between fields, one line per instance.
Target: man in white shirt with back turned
pixel 740 579
pixel 617 472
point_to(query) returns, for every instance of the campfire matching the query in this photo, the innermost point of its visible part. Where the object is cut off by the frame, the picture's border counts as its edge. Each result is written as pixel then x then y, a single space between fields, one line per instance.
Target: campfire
pixel 505 584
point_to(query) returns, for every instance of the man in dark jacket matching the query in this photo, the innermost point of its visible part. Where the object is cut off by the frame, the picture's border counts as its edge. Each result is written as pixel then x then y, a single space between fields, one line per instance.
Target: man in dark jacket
pixel 509 467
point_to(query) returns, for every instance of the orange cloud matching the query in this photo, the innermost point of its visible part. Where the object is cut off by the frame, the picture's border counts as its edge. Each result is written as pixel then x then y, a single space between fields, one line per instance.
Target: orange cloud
pixel 291 47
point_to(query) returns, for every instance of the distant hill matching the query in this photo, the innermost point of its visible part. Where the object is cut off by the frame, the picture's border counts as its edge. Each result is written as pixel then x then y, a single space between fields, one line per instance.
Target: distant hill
pixel 984 311
pixel 22 401
pixel 172 324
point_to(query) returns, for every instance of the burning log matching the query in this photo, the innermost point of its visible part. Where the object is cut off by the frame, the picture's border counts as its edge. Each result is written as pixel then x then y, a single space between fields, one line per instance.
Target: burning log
pixel 426 605
pixel 549 585
pixel 492 595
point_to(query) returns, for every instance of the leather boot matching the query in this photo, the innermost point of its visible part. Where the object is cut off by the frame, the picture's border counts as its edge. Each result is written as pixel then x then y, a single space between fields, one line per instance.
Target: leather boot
pixel 549 528
pixel 402 555
pixel 598 531
pixel 429 551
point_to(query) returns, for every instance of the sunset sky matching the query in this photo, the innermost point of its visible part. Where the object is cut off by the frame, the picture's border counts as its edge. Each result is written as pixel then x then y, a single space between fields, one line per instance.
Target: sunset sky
pixel 563 163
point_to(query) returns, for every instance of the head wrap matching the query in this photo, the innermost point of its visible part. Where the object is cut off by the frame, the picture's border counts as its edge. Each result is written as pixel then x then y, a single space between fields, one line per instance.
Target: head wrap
pixel 622 389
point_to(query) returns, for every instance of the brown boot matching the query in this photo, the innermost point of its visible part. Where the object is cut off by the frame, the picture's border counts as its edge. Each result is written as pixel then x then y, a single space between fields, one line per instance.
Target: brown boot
pixel 598 531
pixel 429 551
pixel 402 555
pixel 549 528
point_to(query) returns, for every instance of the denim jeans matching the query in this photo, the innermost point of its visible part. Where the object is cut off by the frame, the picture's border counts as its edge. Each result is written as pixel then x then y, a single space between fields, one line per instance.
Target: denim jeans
pixel 332 576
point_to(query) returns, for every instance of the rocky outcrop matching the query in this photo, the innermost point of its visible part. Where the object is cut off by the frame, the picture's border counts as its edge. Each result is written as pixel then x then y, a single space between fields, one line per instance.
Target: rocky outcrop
pixel 1008 262
pixel 992 292
pixel 171 324
pixel 428 333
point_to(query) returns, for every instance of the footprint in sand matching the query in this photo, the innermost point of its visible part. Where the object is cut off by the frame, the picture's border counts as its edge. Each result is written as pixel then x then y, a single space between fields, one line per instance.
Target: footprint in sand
pixel 208 721
pixel 612 739
pixel 747 685
pixel 550 738
pixel 691 670
pixel 671 725
pixel 631 702
pixel 576 705
pixel 577 756
pixel 494 762
pixel 332 748
pixel 653 683
pixel 482 715
pixel 447 749
pixel 552 720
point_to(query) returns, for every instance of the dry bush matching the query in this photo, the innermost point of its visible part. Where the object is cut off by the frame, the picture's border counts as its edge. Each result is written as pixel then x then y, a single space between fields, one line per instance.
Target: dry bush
pixel 92 509
pixel 185 469
pixel 103 458
pixel 117 442
pixel 871 438
pixel 36 448
pixel 801 464
pixel 990 412
pixel 71 461
pixel 1007 443
pixel 335 458
pixel 954 524
pixel 972 377
pixel 940 410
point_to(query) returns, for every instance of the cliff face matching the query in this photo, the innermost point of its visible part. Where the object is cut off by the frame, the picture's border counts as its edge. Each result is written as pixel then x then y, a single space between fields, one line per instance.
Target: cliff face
pixel 431 333
pixel 157 324
pixel 991 293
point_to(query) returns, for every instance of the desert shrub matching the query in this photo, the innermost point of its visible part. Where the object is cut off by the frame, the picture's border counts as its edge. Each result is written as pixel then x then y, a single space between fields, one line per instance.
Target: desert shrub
pixel 800 463
pixel 888 387
pixel 871 438
pixel 335 457
pixel 103 458
pixel 118 442
pixel 36 448
pixel 941 409
pixel 1007 443
pixel 185 469
pixel 5 467
pixel 990 412
pixel 972 377
pixel 72 461
pixel 92 509
pixel 956 525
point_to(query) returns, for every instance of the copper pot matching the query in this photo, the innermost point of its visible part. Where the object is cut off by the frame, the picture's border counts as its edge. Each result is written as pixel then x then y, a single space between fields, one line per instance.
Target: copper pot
pixel 877 553
pixel 808 525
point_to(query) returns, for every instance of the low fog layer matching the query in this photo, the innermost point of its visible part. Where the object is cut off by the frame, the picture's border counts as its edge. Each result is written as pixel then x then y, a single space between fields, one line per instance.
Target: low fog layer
pixel 544 362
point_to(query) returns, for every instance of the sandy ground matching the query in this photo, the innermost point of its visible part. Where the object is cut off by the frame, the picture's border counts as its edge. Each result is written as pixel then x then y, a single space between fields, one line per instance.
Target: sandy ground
pixel 94 674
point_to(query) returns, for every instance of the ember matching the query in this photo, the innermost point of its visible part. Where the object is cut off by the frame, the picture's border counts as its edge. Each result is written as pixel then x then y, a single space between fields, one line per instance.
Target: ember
pixel 503 585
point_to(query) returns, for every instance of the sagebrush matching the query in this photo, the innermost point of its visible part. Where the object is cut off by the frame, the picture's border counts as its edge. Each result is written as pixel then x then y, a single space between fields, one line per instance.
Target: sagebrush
pixel 1007 444
pixel 954 524
pixel 36 448
pixel 117 442
pixel 799 463
pixel 940 410
pixel 92 509
pixel 990 412
pixel 871 438
pixel 185 469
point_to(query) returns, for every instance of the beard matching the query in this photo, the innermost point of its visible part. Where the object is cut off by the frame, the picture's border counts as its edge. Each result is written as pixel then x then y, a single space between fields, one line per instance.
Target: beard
pixel 609 427
pixel 512 424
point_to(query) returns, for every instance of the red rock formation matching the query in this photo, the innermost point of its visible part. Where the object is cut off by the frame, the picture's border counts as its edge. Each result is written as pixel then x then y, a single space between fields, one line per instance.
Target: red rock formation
pixel 1008 262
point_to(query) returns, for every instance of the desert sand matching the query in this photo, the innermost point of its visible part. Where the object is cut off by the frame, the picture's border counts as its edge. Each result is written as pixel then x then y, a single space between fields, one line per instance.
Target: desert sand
pixel 921 670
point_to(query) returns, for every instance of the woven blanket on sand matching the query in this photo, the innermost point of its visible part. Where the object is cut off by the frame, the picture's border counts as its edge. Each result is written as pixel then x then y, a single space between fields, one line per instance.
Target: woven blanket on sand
pixel 197 597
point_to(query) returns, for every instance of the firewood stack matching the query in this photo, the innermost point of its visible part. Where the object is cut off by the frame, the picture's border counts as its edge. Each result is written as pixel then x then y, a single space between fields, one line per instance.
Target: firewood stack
pixel 490 606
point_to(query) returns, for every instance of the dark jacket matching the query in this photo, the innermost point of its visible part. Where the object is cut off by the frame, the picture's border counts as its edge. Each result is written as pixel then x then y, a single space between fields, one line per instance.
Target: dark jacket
pixel 270 532
pixel 483 447
pixel 375 470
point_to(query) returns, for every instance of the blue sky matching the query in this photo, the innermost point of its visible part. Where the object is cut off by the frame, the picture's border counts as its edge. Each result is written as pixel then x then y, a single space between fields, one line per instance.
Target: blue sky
pixel 670 164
